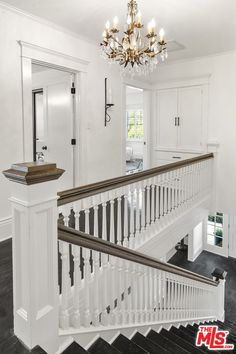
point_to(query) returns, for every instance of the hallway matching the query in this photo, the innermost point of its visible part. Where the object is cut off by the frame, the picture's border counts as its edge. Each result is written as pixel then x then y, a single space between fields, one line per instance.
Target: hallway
pixel 204 265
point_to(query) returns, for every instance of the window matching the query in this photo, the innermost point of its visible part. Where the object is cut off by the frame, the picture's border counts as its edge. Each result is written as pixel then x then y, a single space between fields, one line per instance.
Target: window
pixel 135 124
pixel 215 230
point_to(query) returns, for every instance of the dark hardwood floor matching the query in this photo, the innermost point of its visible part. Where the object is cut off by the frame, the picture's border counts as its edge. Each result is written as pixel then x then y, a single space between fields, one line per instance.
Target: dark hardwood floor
pixel 204 265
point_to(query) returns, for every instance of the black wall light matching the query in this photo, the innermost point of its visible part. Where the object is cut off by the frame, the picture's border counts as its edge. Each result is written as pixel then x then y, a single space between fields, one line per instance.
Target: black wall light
pixel 108 104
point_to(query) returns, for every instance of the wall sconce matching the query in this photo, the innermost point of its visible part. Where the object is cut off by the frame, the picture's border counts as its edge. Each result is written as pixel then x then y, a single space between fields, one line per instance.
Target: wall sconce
pixel 108 103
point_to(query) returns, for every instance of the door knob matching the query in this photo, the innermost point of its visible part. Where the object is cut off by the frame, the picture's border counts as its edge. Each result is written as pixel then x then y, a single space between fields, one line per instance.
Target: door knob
pixel 44 147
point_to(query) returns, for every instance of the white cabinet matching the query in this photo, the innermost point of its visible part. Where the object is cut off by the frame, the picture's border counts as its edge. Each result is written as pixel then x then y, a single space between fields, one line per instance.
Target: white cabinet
pixel 179 119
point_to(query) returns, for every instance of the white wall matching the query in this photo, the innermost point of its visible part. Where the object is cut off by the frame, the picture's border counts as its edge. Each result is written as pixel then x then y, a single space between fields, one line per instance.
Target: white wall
pixel 222 115
pixel 195 242
pixel 102 149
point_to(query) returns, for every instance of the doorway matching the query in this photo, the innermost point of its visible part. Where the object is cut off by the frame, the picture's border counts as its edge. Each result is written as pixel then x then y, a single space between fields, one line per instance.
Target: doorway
pixel 53 119
pixel 135 138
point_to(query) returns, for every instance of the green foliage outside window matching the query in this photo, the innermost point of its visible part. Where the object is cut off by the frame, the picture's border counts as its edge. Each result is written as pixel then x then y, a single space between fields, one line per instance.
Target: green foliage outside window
pixel 135 124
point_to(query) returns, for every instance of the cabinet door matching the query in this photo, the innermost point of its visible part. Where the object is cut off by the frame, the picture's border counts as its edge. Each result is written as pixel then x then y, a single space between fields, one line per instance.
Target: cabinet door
pixel 190 112
pixel 166 130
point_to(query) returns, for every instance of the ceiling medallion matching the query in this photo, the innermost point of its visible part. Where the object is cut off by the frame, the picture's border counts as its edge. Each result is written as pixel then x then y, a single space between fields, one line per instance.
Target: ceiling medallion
pixel 132 52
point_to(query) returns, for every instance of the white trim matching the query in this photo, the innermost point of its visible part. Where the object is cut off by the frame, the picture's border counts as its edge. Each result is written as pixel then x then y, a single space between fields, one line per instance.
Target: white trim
pixel 5 228
pixel 194 81
pixel 193 151
pixel 31 53
pixel 52 58
pixel 45 22
pixel 144 85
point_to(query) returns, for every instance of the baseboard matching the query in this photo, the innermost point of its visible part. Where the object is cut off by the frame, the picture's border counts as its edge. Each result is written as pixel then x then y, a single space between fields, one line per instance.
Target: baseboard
pixel 5 228
pixel 170 254
pixel 197 254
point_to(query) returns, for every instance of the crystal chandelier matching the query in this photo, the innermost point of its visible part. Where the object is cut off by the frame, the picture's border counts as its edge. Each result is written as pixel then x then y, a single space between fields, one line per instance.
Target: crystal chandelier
pixel 132 51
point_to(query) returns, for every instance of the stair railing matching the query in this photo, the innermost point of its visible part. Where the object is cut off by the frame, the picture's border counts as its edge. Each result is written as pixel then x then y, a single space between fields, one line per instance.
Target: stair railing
pixel 138 290
pixel 128 289
pixel 129 210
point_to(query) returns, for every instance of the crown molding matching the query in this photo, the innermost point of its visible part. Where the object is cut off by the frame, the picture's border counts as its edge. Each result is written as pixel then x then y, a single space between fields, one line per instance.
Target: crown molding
pixel 38 53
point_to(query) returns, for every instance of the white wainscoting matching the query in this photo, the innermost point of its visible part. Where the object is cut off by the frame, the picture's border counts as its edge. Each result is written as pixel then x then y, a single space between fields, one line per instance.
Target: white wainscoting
pixel 5 228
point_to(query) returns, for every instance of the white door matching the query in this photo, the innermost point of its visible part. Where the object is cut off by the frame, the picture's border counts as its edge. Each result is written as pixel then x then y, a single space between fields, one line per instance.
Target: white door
pixel 167 102
pixel 190 114
pixel 55 141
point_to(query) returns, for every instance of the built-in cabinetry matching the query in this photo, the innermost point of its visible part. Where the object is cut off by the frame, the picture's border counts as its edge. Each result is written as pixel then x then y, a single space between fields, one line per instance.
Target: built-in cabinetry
pixel 180 122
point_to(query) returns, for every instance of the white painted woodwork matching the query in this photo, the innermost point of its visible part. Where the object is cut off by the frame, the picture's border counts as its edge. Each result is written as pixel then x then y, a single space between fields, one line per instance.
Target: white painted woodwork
pixel 190 112
pixel 35 265
pixel 58 117
pixel 167 103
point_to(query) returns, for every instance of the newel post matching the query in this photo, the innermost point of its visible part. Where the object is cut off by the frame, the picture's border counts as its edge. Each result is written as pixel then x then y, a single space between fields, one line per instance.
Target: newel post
pixel 35 270
pixel 219 275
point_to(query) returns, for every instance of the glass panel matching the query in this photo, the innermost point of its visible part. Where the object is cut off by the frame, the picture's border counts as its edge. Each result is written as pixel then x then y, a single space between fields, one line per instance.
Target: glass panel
pixel 218 241
pixel 135 124
pixel 215 230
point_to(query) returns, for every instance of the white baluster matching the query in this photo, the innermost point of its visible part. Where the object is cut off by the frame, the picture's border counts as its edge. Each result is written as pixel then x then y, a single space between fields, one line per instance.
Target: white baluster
pixel 104 218
pixel 76 318
pixel 153 187
pixel 65 285
pixel 157 181
pixel 126 219
pixel 131 237
pixel 87 276
pixel 96 297
pixel 143 211
pixel 140 293
pixel 112 220
pixel 77 209
pixel 148 204
pixel 138 220
pixel 119 234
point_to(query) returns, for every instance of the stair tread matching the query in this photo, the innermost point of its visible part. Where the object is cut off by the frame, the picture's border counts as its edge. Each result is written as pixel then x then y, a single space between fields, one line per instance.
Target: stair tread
pixel 126 346
pixel 166 343
pixel 102 347
pixel 148 345
pixel 74 348
pixel 181 342
pixel 12 345
pixel 188 337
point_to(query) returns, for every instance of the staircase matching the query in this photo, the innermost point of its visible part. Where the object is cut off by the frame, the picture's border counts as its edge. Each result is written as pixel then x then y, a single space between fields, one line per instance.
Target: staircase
pixel 112 296
pixel 173 341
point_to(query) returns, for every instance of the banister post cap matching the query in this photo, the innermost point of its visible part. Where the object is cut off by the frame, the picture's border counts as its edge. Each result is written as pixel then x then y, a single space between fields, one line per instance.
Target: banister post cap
pixel 33 172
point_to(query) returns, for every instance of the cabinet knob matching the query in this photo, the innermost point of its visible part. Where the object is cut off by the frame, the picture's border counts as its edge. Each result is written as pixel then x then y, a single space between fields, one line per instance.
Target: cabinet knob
pixel 44 147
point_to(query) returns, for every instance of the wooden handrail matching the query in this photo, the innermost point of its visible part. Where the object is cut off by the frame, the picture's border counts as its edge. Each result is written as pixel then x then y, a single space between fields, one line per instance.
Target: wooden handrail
pixel 82 192
pixel 81 239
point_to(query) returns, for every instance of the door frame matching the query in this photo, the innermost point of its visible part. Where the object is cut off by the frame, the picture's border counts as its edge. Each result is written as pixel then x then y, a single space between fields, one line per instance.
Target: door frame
pixel 33 54
pixel 34 93
pixel 147 93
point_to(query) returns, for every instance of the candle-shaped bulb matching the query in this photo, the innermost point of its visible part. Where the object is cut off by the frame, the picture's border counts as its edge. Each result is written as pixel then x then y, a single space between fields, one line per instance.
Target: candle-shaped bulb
pixel 107 25
pixel 151 26
pixel 115 22
pixel 129 20
pixel 139 17
pixel 104 34
pixel 162 34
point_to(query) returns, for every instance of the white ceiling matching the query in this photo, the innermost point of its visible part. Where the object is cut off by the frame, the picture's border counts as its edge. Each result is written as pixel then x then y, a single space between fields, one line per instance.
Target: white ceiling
pixel 202 27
